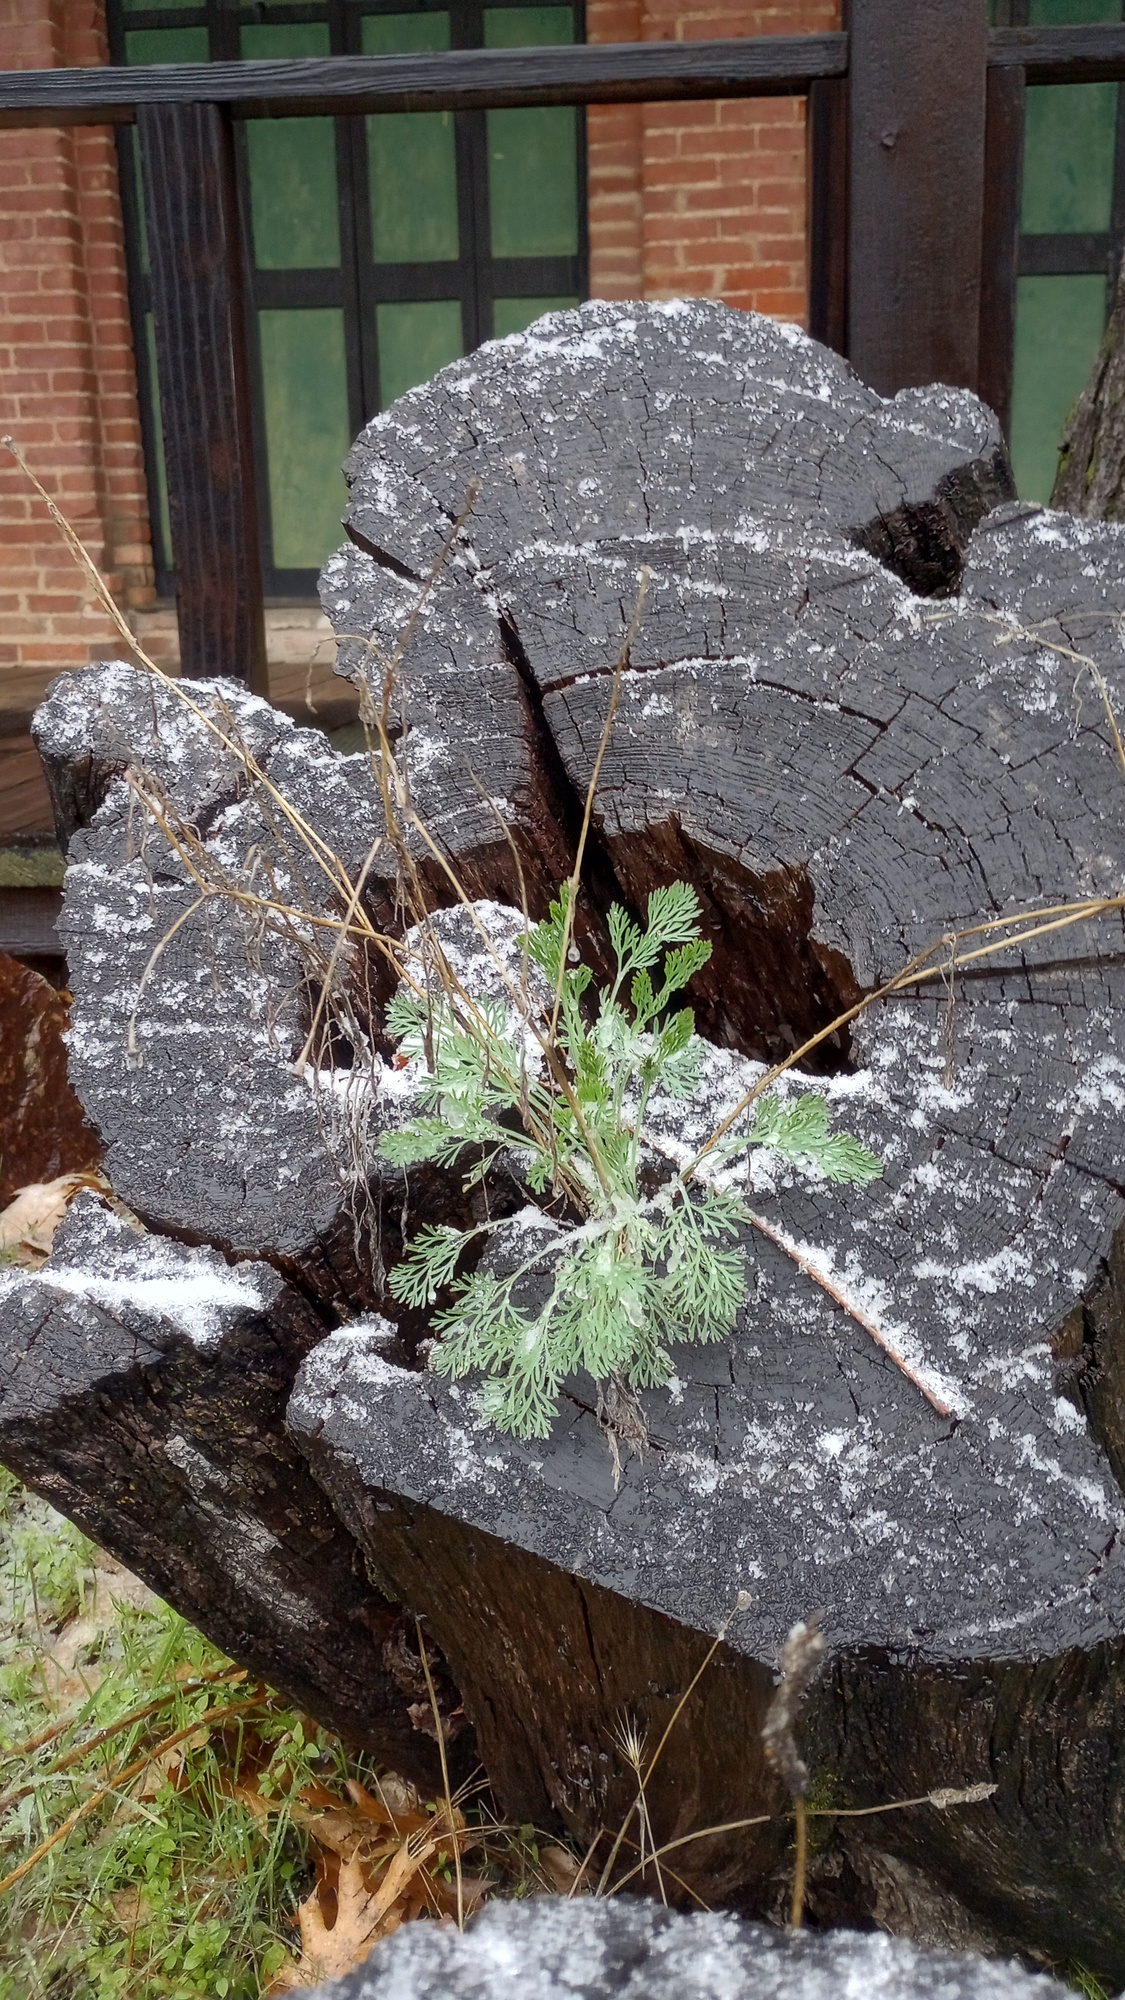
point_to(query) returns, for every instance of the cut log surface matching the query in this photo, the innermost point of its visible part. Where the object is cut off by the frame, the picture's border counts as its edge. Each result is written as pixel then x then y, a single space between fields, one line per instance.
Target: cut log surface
pixel 858 713
pixel 143 1392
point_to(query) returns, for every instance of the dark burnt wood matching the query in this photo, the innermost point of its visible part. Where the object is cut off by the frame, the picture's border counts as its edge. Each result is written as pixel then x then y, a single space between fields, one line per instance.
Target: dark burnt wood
pixel 28 919
pixel 587 1654
pixel 45 1132
pixel 195 251
pixel 917 92
pixel 1000 246
pixel 827 126
pixel 461 80
pixel 1090 54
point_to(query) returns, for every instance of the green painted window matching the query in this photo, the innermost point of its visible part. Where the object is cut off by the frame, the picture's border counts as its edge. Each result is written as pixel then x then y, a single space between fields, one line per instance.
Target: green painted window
pixel 513 315
pixel 305 393
pixel 1072 215
pixel 415 340
pixel 1068 158
pixel 532 155
pixel 412 159
pixel 381 248
pixel 165 45
pixel 294 200
pixel 1059 323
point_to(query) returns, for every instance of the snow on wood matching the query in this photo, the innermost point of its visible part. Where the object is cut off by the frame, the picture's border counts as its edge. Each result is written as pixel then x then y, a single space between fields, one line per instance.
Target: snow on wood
pixel 858 713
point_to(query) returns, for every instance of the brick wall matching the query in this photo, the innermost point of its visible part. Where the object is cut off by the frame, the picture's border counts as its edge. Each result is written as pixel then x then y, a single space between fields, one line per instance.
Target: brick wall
pixel 700 199
pixel 68 390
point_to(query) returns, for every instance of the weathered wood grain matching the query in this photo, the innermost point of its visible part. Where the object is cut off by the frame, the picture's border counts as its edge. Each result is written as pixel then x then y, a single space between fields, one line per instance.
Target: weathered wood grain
pixel 458 80
pixel 142 1390
pixel 44 1131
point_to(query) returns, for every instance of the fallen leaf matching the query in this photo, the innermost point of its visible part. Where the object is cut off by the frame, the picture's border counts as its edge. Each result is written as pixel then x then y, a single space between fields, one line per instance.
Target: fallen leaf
pixel 28 1224
pixel 328 1952
pixel 560 1867
pixel 397 1794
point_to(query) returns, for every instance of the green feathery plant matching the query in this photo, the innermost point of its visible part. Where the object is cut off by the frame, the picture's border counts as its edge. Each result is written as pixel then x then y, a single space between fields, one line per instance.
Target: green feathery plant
pixel 633 1263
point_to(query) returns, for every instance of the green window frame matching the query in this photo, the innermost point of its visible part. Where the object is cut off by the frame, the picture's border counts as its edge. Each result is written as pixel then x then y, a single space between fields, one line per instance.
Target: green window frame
pixel 378 248
pixel 1072 232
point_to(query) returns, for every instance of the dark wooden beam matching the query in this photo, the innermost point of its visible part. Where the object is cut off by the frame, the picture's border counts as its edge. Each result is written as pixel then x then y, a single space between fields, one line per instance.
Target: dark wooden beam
pixel 1062 255
pixel 827 229
pixel 27 923
pixel 917 117
pixel 1000 247
pixel 461 80
pixel 197 266
pixel 1094 54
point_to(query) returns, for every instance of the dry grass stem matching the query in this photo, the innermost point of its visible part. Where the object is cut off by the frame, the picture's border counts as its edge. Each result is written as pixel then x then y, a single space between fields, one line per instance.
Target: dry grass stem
pixel 122 1777
pixel 449 1810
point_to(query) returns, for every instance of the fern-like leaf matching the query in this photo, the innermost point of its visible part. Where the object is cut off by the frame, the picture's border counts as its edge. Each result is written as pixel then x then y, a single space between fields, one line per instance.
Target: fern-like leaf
pixel 429 1264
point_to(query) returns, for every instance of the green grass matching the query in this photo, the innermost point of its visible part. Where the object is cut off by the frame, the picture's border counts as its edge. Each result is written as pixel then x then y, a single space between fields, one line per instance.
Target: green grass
pixel 172 1885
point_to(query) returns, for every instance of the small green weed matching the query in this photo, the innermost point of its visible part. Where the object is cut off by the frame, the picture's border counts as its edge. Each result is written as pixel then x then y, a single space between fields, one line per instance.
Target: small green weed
pixel 639 1259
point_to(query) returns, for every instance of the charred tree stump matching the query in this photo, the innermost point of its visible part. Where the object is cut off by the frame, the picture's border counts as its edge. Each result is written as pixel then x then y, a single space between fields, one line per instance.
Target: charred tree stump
pixel 861 711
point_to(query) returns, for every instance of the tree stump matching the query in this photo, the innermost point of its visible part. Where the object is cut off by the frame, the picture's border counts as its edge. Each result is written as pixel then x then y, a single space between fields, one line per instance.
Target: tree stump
pixel 860 711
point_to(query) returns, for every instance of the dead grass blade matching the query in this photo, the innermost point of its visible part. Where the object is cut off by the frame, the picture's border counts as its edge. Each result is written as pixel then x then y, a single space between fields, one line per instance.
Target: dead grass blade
pixel 120 1778
pixel 449 1807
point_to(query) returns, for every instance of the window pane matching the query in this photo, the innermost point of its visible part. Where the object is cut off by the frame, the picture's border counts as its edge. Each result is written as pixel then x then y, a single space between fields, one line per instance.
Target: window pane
pixel 159 45
pixel 1045 13
pixel 532 155
pixel 162 539
pixel 412 162
pixel 1068 157
pixel 304 387
pixel 513 315
pixel 414 342
pixel 292 163
pixel 156 45
pixel 1059 325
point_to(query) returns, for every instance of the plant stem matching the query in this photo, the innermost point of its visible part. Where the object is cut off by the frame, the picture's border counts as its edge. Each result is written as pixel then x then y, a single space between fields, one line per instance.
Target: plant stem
pixel 444 1775
pixel 800 1864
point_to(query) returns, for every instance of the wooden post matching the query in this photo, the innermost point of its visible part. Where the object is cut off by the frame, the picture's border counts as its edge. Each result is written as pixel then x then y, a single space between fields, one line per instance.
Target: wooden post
pixel 917 118
pixel 195 253
pixel 1003 172
pixel 827 183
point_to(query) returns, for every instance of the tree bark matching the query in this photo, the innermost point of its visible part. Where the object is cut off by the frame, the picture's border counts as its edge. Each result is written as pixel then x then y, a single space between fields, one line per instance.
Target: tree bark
pixel 1091 473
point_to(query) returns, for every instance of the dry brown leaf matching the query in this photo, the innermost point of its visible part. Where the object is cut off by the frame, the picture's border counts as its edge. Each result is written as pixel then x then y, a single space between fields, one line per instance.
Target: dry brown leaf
pixel 28 1224
pixel 398 1794
pixel 560 1867
pixel 329 1953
